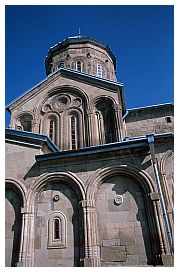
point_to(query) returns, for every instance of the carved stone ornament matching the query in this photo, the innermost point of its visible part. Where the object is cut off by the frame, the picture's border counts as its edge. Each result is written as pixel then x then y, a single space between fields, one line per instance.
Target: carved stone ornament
pixel 118 200
pixel 77 102
pixel 46 108
pixel 56 198
pixel 61 102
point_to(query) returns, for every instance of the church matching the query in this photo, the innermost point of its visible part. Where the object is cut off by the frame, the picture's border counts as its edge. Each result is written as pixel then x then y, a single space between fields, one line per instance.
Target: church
pixel 89 183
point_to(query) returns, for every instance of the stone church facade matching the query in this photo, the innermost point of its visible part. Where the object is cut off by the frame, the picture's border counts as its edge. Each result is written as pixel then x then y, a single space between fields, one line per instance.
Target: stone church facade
pixel 88 182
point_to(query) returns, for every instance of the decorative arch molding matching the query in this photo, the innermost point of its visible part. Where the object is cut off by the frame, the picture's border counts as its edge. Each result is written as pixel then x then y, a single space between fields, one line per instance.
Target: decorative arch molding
pixel 17 116
pixel 57 177
pixel 164 160
pixel 102 98
pixel 66 89
pixel 61 90
pixel 167 184
pixel 55 118
pixel 143 179
pixel 147 186
pixel 11 183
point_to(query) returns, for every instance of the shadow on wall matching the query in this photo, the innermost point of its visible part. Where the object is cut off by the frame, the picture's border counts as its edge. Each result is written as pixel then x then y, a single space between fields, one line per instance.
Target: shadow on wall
pixel 15 228
pixel 130 187
pixel 73 215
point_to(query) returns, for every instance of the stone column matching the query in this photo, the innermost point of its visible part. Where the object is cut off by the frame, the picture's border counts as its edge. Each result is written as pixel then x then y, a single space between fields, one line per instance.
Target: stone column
pixel 92 253
pixel 119 123
pixel 26 254
pixel 160 224
pixel 91 127
pixel 35 126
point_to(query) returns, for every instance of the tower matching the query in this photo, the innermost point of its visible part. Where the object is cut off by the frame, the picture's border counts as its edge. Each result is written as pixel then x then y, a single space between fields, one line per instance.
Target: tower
pixel 84 105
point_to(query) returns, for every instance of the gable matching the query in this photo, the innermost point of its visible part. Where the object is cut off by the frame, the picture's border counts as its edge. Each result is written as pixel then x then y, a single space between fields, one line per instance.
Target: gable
pixel 66 77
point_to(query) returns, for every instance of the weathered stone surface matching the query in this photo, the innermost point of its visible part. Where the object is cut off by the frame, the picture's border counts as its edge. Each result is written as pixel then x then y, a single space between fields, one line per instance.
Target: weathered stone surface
pixel 113 254
pixel 54 254
pixel 132 260
pixel 154 196
pixel 121 232
pixel 112 242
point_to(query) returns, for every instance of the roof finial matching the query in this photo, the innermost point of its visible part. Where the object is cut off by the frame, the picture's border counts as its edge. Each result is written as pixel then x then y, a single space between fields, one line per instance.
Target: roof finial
pixel 79 31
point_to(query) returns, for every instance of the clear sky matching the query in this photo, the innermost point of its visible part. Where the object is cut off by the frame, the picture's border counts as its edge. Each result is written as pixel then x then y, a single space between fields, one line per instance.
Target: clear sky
pixel 141 38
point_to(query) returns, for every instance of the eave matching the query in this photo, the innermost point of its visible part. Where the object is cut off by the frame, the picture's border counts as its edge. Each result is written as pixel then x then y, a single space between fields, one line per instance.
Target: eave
pixel 130 143
pixel 29 138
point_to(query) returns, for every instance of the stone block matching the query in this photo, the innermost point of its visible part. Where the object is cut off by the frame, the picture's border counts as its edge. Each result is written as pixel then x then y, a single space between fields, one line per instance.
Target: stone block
pixel 101 206
pixel 154 196
pixel 68 252
pixel 113 254
pixel 37 242
pixel 112 242
pixel 132 260
pixel 168 260
pixel 126 238
pixel 132 249
pixel 54 254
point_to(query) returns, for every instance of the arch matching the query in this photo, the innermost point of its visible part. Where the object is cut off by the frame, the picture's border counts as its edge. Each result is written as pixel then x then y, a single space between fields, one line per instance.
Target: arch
pixel 146 186
pixel 79 128
pixel 11 183
pixel 144 181
pixel 68 177
pixel 16 200
pixel 104 98
pixel 164 160
pixel 66 89
pixel 46 126
pixel 105 119
pixel 61 240
pixel 168 182
pixel 74 216
pixel 61 90
pixel 23 120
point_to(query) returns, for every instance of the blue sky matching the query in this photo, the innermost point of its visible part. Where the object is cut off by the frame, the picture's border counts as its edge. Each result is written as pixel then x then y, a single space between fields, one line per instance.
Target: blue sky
pixel 141 38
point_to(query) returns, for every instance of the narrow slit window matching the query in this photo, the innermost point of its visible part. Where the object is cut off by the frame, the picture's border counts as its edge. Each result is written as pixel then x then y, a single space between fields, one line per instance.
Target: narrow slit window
pixel 73 133
pixel 79 66
pixel 99 70
pixel 56 229
pixel 51 130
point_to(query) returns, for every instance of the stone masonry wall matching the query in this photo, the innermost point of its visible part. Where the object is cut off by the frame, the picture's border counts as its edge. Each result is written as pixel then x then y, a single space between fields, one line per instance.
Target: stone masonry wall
pixel 122 227
pixel 157 119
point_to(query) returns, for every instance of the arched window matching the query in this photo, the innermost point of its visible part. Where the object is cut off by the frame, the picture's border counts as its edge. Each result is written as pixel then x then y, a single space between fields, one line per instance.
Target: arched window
pixel 79 66
pixel 73 125
pixel 106 122
pixel 51 126
pixel 51 129
pixel 24 123
pixel 56 228
pixel 99 70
